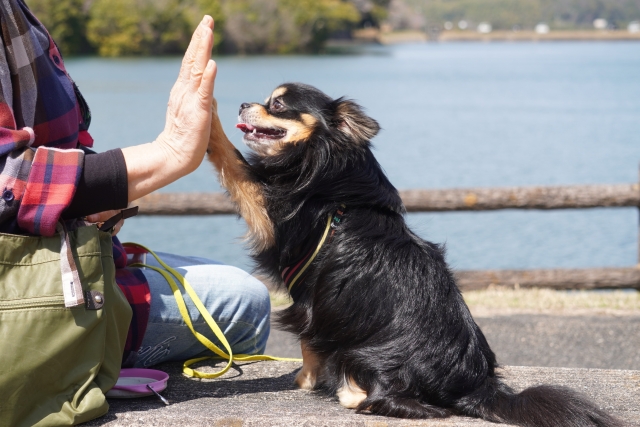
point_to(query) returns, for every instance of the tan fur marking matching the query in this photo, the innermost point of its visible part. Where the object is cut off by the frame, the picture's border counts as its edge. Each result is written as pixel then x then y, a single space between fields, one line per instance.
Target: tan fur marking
pixel 300 131
pixel 296 131
pixel 278 92
pixel 350 394
pixel 244 191
pixel 306 378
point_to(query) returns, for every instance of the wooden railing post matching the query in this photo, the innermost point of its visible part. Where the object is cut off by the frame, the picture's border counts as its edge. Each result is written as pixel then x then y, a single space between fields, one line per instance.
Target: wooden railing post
pixel 472 199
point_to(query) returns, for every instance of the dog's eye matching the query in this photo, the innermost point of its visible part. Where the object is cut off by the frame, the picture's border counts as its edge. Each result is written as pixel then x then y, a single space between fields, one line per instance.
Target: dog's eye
pixel 277 106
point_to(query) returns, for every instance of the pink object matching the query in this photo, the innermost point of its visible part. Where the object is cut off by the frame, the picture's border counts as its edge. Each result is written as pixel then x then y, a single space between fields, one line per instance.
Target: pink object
pixel 133 383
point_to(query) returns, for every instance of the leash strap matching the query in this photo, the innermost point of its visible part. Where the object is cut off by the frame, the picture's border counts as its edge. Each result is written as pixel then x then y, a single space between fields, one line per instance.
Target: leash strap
pixel 312 257
pixel 291 275
pixel 167 272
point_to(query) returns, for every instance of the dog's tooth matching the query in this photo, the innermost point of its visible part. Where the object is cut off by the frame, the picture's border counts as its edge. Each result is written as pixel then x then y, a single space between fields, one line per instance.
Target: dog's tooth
pixel 254 130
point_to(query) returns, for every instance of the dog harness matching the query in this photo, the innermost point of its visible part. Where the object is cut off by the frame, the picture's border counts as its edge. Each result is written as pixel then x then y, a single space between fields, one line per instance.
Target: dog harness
pixel 295 273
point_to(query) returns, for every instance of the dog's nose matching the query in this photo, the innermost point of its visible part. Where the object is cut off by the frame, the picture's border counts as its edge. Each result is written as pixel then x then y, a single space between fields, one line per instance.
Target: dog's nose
pixel 244 106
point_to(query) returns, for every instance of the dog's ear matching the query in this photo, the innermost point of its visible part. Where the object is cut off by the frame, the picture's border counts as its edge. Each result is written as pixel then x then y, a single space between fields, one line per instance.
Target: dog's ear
pixel 353 122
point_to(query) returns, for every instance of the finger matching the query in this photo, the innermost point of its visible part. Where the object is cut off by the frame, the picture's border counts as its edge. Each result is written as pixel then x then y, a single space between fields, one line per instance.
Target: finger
pixel 208 21
pixel 205 91
pixel 187 61
pixel 202 57
pixel 101 216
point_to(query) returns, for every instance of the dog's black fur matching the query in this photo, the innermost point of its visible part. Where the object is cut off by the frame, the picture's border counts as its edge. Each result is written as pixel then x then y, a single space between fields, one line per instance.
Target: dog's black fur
pixel 379 304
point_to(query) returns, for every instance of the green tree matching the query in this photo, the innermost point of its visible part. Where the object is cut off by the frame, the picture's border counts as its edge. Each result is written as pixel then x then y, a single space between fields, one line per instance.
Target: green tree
pixel 66 21
pixel 321 18
pixel 284 26
pixel 116 27
pixel 148 27
pixel 372 12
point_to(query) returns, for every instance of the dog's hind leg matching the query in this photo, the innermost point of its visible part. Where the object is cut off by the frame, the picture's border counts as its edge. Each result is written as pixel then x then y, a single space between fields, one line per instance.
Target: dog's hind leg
pixel 350 394
pixel 308 375
pixel 245 191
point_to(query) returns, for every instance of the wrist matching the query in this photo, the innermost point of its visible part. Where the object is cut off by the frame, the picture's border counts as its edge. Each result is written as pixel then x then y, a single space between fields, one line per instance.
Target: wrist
pixel 149 167
pixel 178 162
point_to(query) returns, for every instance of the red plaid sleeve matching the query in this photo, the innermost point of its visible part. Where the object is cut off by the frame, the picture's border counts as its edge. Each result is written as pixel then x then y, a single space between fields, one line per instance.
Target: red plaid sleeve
pixel 50 188
pixel 135 288
pixel 10 137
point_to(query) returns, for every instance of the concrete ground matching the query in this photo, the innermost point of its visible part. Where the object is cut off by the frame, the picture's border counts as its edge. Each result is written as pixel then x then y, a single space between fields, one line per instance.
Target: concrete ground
pixel 578 341
pixel 262 394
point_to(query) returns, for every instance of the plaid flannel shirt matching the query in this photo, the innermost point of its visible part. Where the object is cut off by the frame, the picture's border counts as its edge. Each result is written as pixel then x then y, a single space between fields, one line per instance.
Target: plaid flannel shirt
pixel 42 126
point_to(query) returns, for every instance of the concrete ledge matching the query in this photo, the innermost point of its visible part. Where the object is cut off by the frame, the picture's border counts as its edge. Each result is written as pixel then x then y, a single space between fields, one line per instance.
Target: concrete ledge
pixel 262 394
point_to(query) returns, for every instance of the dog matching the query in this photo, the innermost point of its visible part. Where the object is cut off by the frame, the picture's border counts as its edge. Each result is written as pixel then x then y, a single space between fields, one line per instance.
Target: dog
pixel 381 322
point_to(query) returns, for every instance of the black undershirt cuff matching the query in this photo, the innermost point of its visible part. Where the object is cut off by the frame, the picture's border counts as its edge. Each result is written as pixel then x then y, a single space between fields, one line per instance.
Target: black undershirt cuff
pixel 102 186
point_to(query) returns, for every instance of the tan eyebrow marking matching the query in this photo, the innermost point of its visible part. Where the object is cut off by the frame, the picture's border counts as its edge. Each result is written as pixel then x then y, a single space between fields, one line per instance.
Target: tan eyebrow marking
pixel 278 92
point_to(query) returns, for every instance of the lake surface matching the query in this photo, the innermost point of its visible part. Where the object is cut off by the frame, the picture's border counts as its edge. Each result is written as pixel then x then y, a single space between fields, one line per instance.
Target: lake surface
pixel 453 115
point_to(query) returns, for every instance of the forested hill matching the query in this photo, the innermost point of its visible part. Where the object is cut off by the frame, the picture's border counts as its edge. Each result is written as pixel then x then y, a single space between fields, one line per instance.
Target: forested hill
pixel 160 27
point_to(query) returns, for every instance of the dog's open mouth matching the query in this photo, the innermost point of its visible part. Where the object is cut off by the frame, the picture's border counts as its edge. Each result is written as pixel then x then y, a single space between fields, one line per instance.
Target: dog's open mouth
pixel 256 133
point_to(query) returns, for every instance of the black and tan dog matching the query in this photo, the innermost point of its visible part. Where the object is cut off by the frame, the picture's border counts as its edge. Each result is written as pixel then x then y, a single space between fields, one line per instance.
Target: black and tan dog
pixel 380 319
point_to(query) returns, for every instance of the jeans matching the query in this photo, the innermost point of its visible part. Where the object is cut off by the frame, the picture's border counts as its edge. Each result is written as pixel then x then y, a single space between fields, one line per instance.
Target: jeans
pixel 237 301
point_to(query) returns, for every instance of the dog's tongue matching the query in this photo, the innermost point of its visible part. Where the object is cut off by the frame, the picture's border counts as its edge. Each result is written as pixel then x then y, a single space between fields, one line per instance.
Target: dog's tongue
pixel 245 127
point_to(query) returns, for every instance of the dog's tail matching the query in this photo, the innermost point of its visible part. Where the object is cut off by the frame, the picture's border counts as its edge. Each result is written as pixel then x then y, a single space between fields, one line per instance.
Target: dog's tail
pixel 540 406
pixel 401 407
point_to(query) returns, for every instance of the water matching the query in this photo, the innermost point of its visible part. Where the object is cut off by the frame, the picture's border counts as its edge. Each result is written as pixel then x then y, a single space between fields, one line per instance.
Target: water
pixel 453 115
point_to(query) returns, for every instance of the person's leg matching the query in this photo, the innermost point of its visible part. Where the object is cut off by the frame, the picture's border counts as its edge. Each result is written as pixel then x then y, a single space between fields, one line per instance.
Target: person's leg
pixel 237 301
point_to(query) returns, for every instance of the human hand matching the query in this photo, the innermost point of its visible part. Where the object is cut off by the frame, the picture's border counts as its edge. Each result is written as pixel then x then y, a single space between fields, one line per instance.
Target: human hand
pixel 186 133
pixel 101 217
pixel 181 146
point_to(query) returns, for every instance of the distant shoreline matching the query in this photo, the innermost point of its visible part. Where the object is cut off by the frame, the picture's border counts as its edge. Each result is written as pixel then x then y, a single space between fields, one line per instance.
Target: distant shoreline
pixel 575 35
pixel 376 36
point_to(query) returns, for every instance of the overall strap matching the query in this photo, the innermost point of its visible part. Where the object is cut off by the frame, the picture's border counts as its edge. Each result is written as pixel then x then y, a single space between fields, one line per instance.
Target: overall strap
pixel 71 285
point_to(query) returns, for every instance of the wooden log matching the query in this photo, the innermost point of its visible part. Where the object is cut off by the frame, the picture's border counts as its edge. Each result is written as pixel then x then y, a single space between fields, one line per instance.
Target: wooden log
pixel 587 278
pixel 471 199
pixel 185 204
pixel 552 197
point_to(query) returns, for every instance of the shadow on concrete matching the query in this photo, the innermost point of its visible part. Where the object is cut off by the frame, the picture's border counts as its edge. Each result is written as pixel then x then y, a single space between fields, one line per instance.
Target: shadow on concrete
pixel 182 389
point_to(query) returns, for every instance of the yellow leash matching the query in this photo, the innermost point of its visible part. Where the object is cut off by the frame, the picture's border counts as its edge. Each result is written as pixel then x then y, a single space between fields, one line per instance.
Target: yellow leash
pixel 167 272
pixel 333 221
pixel 315 253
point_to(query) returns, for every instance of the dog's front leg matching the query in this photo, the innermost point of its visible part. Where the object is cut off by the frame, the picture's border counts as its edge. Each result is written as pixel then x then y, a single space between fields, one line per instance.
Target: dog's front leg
pixel 245 191
pixel 308 375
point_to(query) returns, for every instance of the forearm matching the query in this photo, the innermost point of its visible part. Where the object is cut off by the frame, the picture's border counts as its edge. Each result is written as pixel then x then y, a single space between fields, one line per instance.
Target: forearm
pixel 151 166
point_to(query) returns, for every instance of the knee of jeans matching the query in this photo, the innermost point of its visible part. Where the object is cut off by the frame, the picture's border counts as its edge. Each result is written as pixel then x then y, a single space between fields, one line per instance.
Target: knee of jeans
pixel 252 314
